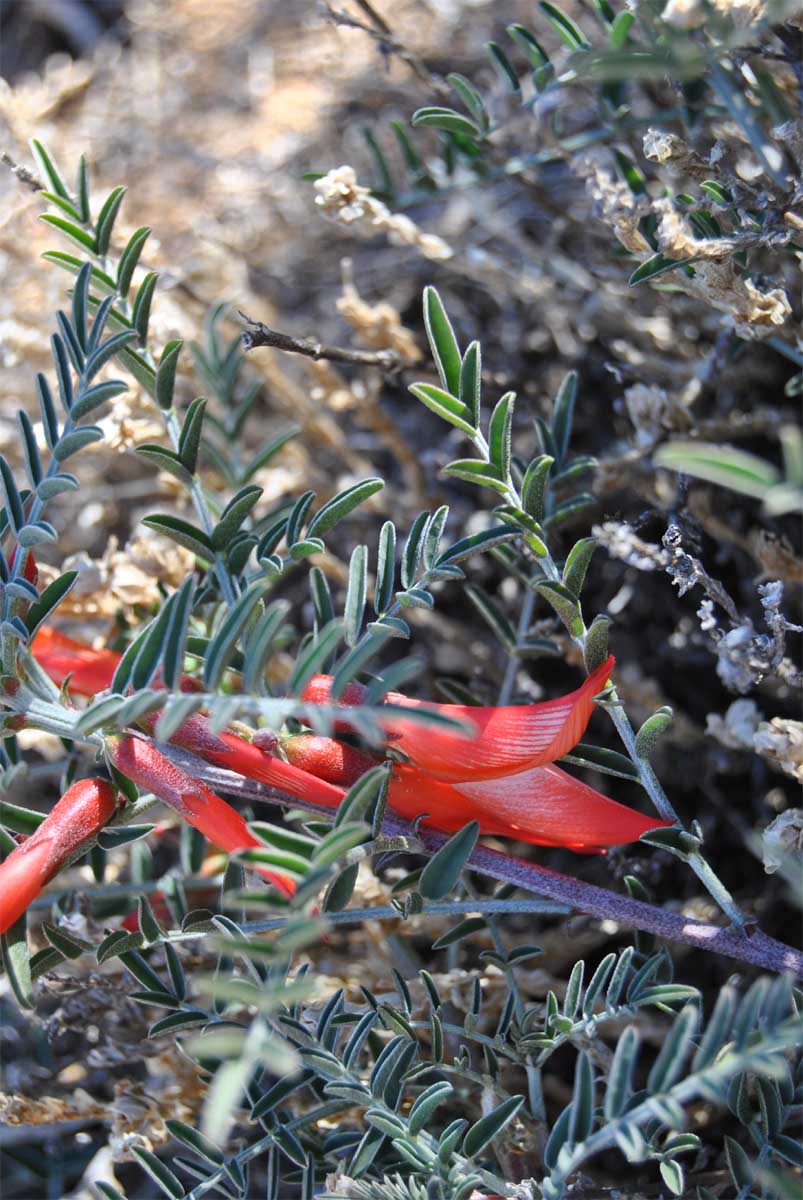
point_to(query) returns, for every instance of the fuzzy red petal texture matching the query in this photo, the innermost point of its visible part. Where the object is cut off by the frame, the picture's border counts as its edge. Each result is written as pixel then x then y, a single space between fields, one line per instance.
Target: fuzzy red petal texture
pixel 142 763
pixel 60 656
pixel 81 812
pixel 506 740
pixel 22 877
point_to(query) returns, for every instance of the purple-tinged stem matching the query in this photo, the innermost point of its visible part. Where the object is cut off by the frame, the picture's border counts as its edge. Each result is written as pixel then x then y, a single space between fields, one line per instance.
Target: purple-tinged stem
pixel 756 948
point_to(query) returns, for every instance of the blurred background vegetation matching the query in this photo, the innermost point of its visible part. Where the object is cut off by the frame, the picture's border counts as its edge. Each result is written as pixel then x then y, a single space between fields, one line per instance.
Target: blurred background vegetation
pixel 529 189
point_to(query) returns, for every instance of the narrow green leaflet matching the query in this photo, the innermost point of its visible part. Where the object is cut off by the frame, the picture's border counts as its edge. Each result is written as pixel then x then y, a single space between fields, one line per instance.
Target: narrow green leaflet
pixel 442 341
pixel 725 465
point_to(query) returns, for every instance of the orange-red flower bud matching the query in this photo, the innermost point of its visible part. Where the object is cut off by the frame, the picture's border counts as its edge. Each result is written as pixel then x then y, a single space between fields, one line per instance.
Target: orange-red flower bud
pixel 141 762
pixel 79 815
pixel 506 740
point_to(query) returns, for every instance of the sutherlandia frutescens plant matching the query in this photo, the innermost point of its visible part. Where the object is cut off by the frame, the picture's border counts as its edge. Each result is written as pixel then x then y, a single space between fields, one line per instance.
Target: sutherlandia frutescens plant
pixel 185 706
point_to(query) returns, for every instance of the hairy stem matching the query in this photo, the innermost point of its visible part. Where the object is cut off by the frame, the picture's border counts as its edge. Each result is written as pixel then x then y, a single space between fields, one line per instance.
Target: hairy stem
pixel 759 950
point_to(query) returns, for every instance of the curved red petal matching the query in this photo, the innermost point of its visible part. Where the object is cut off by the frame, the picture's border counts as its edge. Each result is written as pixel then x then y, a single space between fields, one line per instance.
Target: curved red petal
pixel 197 804
pixel 507 739
pixel 547 806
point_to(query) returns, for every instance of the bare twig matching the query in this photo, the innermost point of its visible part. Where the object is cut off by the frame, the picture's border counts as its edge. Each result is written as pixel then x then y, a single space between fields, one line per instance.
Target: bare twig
pixel 757 949
pixel 377 28
pixel 24 175
pixel 258 334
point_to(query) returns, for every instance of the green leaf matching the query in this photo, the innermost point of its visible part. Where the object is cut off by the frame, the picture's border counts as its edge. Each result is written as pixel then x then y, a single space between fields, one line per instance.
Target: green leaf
pixel 141 311
pixel 442 341
pixel 342 504
pixel 16 961
pixel 582 1114
pixel 499 435
pixel 576 565
pixel 50 598
pixel 385 568
pixel 313 657
pixel 488 1127
pixel 196 1142
pixel 620 1077
pixel 564 603
pixel 475 470
pixel 364 796
pixel 476 542
pixel 672 1175
pixel 176 634
pixel 659 264
pixel 234 514
pixel 595 650
pixel 649 733
pixel 164 1179
pixel 224 640
pixel 164 460
pixel 72 231
pixel 190 437
pixel 295 521
pixel 129 259
pixel 537 55
pixel 187 535
pixel 490 611
pixel 106 218
pixel 116 344
pixel 563 414
pixel 444 405
pixel 166 375
pixel 356 594
pixel 471 98
pixel 259 642
pixel 620 29
pixel 725 465
pixel 599 758
pixel 93 397
pixel 675 1047
pixel 432 536
pixel 269 451
pixel 413 549
pixel 470 386
pixel 426 1103
pixel 533 488
pixel 69 262
pixel 447 119
pixel 71 443
pixel 446 865
pixel 504 66
pixel 565 28
pixel 48 168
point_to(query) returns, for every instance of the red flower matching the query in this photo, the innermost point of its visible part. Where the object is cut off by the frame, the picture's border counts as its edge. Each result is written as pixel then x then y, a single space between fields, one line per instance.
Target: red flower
pixel 143 764
pixel 90 671
pixel 506 741
pixel 543 805
pixel 79 815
